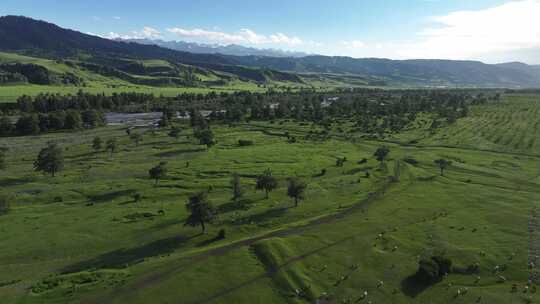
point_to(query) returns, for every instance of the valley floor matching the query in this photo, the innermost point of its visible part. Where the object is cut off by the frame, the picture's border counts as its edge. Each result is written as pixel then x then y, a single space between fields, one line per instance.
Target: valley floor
pixel 81 237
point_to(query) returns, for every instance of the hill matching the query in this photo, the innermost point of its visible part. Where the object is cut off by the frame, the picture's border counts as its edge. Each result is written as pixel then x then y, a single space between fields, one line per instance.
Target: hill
pixel 413 72
pixel 141 64
pixel 131 62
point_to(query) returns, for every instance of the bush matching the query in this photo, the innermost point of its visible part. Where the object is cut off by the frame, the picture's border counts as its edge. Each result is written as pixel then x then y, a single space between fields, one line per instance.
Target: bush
pixel 5 204
pixel 433 269
pixel 245 142
pixel 221 234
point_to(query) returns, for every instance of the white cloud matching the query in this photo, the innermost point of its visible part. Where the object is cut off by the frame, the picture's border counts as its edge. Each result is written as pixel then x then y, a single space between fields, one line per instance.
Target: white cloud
pixel 117 17
pixel 146 33
pixel 353 44
pixel 245 36
pixel 476 34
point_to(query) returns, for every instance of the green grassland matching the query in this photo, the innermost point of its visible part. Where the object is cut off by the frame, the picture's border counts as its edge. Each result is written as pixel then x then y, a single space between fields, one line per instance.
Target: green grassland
pixel 81 238
pixel 158 70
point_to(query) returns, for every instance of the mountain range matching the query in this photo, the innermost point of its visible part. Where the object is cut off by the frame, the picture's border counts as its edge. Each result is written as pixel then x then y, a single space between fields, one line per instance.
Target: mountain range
pixel 204 48
pixel 130 61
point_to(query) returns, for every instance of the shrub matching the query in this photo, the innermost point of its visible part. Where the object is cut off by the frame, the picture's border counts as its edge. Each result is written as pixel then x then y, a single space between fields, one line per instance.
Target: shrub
pixel 221 234
pixel 245 142
pixel 433 269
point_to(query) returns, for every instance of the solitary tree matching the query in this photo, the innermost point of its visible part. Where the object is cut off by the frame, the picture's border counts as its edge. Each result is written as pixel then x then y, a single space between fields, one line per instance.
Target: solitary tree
pixel 296 189
pixel 136 137
pixel 97 143
pixel 158 172
pixel 50 159
pixel 205 137
pixel 381 153
pixel 111 145
pixel 443 164
pixel 236 187
pixel 266 182
pixel 175 132
pixel 200 211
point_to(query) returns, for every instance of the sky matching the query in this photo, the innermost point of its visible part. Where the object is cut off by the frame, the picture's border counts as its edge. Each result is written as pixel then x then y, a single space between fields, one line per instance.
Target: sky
pixel 488 30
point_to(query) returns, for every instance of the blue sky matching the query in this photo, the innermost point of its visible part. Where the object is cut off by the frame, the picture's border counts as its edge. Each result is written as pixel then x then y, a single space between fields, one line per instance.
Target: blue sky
pixel 392 28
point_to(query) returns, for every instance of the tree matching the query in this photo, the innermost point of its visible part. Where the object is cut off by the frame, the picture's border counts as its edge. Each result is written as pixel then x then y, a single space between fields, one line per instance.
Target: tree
pixel 236 187
pixel 136 137
pixel 158 172
pixel 111 145
pixel 266 182
pixel 164 122
pixel 93 118
pixel 28 124
pixel 443 164
pixel 296 189
pixel 6 127
pixel 200 211
pixel 205 137
pixel 381 153
pixel 97 143
pixel 175 132
pixel 73 120
pixel 50 159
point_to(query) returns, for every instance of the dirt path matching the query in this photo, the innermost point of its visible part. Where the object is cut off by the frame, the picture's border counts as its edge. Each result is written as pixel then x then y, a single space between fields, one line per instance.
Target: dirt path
pixel 157 277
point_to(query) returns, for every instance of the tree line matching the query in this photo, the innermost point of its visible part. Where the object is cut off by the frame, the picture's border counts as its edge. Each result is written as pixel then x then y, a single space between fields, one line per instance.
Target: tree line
pixel 36 123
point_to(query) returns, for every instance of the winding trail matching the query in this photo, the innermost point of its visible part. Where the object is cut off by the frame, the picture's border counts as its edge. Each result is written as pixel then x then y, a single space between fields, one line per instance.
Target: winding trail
pixel 160 276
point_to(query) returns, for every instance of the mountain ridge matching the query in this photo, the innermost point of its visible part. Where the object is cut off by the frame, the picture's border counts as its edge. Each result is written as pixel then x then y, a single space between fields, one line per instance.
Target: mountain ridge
pixel 229 49
pixel 39 38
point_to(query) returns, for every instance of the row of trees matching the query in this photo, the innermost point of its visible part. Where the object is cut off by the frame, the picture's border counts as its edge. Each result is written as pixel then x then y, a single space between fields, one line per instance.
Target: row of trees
pixel 31 124
pixel 201 211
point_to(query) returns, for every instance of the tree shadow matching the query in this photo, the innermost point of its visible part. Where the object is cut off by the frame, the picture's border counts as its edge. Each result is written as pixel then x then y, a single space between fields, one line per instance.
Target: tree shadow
pixel 244 204
pixel 109 196
pixel 262 217
pixel 179 152
pixel 122 258
pixel 9 182
pixel 83 155
pixel 210 241
pixel 412 286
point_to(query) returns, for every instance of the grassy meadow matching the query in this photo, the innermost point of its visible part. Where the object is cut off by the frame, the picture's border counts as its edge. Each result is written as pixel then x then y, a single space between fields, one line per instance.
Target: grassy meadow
pixel 357 237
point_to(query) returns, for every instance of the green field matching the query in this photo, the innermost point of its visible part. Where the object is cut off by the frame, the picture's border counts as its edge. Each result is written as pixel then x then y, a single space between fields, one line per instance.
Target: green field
pixel 81 238
pixel 97 83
